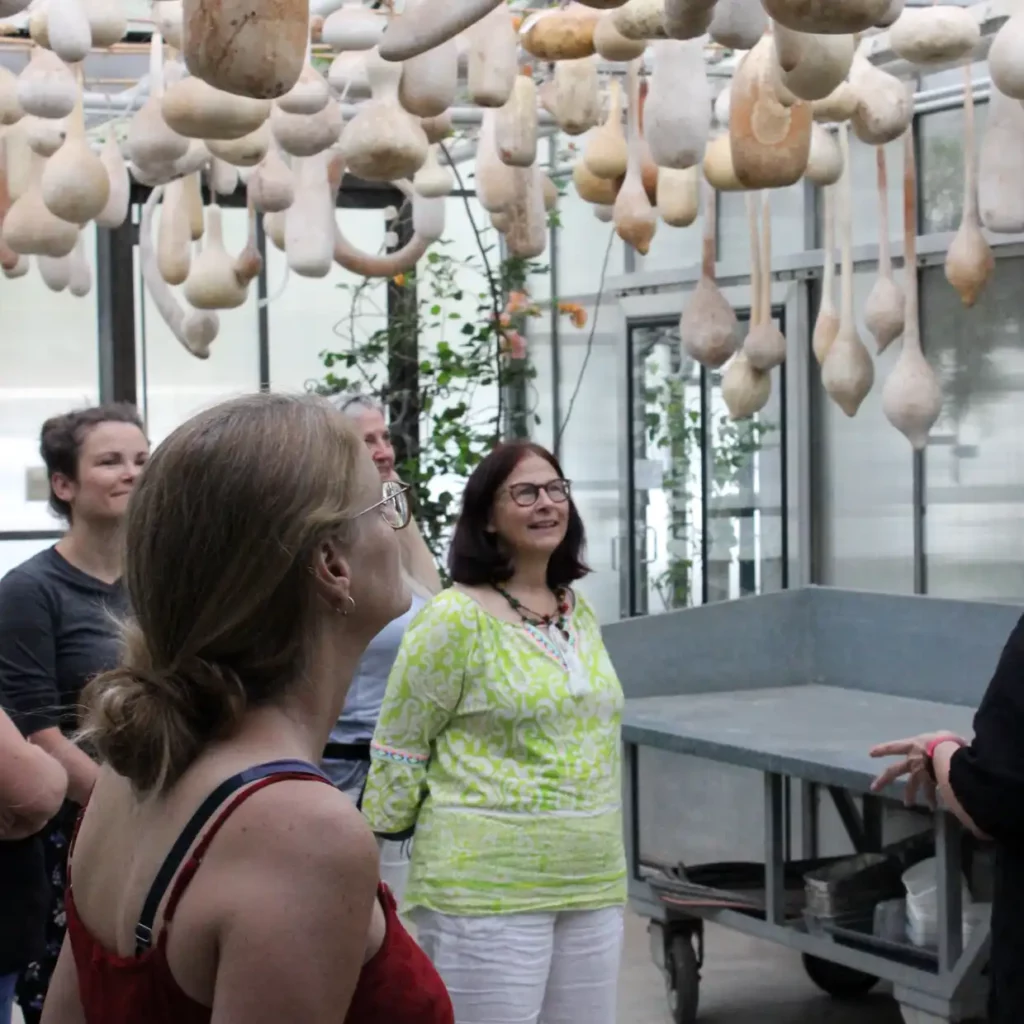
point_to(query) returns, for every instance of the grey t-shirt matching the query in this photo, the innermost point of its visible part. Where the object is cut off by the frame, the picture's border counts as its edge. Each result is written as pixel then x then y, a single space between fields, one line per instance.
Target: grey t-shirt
pixel 365 696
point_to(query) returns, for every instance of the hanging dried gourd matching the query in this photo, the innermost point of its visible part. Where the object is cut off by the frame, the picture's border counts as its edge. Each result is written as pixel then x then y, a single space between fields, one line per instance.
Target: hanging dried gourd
pixel 307 135
pixel 309 221
pixel 271 186
pixel 576 102
pixel 825 162
pixel 1006 57
pixel 764 345
pixel 612 45
pixel 174 235
pixel 830 17
pixel 738 24
pixel 810 66
pixel 1000 188
pixel 212 282
pixel 515 129
pixel 677 133
pixel 309 94
pixel 115 212
pixel 606 153
pixel 46 87
pixel 428 81
pixel 493 60
pixel 678 196
pixel 560 34
pixel 353 26
pixel 197 110
pixel 936 34
pixel 826 323
pixel 30 229
pixel 884 307
pixel 432 181
pixel 526 234
pixel 430 25
pixel 884 104
pixel 911 396
pixel 633 214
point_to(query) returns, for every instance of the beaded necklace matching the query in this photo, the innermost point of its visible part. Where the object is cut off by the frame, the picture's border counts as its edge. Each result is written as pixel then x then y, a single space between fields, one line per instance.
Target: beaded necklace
pixel 560 619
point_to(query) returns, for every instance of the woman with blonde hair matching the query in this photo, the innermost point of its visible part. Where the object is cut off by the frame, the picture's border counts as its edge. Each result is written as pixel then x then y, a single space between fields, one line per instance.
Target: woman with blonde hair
pixel 217 876
pixel 347 753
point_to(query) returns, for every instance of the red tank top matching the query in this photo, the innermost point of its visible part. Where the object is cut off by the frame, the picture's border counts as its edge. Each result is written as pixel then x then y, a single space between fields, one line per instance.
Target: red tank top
pixel 398 985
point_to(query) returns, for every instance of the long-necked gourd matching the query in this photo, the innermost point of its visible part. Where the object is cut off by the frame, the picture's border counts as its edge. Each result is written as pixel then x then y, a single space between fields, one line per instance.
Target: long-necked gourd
pixel 353 26
pixel 825 162
pixel 515 128
pixel 911 395
pixel 718 166
pixel 44 135
pixel 812 65
pixel 892 12
pixel 687 19
pixel 212 282
pixel 383 142
pixel 677 133
pixel 75 185
pixel 245 48
pixel 1000 183
pixel 936 34
pixel 115 211
pixel 168 17
pixel 612 45
pixel 707 325
pixel 107 22
pixel 197 110
pixel 493 178
pixel 309 94
pixel 769 142
pixel 678 196
pixel 633 214
pixel 174 235
pixel 194 329
pixel 560 34
pixel 738 24
pixel 271 186
pixel 309 221
pixel 884 308
pixel 826 323
pixel 590 188
pixel 827 16
pixel 606 153
pixel 765 344
pixel 31 229
pixel 969 260
pixel 248 263
pixel 438 128
pixel 193 195
pixel 68 30
pixel 1006 56
pixel 151 140
pixel 884 104
pixel 431 24
pixel 839 105
pixel 492 61
pixel 307 135
pixel 347 74
pixel 746 389
pixel 8 257
pixel 428 81
pixel 46 86
pixel 577 100
pixel 526 236
pixel 848 371
pixel 222 178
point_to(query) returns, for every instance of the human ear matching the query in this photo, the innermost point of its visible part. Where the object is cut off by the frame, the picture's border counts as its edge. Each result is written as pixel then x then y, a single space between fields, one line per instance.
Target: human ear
pixel 62 487
pixel 332 576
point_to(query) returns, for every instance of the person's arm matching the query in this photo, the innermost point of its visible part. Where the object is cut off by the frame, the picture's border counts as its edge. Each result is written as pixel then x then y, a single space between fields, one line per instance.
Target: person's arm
pixel 63 1003
pixel 296 952
pixel 985 779
pixel 32 784
pixel 423 692
pixel 417 559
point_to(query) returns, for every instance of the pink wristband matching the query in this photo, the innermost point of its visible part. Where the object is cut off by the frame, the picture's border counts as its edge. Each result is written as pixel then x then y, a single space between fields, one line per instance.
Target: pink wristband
pixel 938 741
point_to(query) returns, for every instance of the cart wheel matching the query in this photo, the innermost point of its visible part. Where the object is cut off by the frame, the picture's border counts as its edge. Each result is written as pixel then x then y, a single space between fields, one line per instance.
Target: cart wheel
pixel 838 981
pixel 683 980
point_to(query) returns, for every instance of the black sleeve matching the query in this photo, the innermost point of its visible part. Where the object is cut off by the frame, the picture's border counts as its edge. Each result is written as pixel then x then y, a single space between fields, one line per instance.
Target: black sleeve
pixel 988 776
pixel 28 676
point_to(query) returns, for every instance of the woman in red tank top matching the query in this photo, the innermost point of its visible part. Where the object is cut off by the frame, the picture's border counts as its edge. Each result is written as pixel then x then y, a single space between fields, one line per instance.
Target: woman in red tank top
pixel 214 878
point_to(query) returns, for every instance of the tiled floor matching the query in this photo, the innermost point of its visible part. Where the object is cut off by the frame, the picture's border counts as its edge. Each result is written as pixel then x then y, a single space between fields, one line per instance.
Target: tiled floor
pixel 745 982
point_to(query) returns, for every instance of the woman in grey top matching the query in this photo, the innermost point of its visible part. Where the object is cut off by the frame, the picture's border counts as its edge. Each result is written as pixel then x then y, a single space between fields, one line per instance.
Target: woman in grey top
pixel 347 754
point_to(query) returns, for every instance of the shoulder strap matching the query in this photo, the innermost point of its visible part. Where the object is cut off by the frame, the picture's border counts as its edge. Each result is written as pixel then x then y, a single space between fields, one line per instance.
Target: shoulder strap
pixel 242 787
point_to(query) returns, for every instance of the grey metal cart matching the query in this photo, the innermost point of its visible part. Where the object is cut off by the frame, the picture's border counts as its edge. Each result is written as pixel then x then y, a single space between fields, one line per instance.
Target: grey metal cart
pixel 797 687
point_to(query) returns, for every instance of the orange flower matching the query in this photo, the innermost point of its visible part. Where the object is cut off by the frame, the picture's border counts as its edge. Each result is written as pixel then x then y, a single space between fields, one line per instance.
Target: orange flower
pixel 576 313
pixel 513 344
pixel 518 302
pixel 399 279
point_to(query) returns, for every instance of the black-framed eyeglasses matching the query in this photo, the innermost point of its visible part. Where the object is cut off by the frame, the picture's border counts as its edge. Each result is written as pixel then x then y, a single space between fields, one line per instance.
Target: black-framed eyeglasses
pixel 394 506
pixel 526 494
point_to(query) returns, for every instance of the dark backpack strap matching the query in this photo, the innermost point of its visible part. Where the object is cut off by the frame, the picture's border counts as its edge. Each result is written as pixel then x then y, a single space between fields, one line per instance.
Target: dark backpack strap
pixel 273 771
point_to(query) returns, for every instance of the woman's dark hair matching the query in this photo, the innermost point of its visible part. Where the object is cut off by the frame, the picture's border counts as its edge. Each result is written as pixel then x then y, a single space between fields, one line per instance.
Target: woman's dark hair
pixel 60 442
pixel 477 555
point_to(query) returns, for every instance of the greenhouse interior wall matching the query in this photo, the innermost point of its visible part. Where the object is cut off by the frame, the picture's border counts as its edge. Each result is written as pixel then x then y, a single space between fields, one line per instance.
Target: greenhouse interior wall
pixel 821 499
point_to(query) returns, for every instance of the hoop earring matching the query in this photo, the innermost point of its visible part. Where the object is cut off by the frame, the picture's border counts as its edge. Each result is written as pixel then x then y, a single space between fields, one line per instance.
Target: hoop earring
pixel 345 609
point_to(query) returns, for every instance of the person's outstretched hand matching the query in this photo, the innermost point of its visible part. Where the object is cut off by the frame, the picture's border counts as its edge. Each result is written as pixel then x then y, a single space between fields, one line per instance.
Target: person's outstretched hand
pixel 913 763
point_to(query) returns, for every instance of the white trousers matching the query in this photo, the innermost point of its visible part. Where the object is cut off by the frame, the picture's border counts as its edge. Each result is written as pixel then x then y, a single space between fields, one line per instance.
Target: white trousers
pixel 394 867
pixel 560 968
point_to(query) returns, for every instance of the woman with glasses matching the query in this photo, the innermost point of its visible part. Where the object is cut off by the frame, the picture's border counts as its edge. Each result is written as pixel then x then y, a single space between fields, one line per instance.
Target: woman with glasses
pixel 347 753
pixel 217 874
pixel 498 742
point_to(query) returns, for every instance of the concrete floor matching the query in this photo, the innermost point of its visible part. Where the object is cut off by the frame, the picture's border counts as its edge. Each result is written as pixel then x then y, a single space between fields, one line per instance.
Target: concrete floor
pixel 744 982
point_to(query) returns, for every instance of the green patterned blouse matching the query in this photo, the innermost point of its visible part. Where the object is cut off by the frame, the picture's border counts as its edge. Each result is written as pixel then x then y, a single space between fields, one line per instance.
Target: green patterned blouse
pixel 500 744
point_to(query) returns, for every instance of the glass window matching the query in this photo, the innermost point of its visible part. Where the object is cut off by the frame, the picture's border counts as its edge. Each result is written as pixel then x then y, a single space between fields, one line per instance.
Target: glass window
pixel 941 148
pixel 864 483
pixel 14 552
pixel 48 353
pixel 787 205
pixel 173 383
pixel 974 462
pixel 308 316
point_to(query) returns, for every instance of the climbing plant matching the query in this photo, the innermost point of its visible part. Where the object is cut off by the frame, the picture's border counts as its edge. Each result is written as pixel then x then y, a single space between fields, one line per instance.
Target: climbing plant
pixel 675 428
pixel 464 337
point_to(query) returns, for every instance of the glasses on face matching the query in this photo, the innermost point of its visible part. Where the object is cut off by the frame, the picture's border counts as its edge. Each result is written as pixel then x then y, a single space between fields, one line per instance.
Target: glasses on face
pixel 525 494
pixel 394 506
